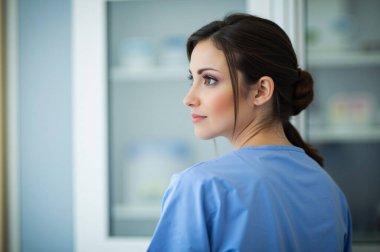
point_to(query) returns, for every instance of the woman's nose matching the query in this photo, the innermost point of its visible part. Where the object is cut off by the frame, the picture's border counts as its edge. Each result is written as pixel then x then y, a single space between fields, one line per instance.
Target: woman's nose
pixel 191 99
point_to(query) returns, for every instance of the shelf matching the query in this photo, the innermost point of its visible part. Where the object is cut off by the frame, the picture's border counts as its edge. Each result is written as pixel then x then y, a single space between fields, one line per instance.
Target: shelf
pixel 325 134
pixel 343 59
pixel 148 74
pixel 127 212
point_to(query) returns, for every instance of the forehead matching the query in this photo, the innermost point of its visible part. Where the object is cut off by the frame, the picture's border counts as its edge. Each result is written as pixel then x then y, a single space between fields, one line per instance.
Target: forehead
pixel 206 55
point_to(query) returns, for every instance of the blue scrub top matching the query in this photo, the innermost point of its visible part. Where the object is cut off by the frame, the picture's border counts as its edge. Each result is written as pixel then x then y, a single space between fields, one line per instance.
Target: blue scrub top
pixel 267 198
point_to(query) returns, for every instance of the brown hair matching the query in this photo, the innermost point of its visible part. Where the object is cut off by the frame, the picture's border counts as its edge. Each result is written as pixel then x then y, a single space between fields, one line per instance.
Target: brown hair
pixel 258 47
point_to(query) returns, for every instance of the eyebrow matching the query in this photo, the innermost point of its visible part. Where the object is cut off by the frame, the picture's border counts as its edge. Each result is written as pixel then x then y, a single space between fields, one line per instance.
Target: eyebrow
pixel 200 71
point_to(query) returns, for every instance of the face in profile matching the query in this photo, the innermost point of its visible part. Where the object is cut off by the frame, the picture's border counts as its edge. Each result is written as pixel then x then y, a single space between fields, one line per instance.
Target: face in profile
pixel 210 97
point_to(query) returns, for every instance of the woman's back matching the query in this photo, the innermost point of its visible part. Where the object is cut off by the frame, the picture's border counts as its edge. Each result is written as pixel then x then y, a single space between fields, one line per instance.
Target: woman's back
pixel 268 198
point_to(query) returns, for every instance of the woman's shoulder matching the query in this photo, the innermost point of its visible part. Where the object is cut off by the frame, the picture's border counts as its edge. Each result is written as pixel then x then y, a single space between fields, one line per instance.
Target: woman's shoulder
pixel 251 165
pixel 217 172
pixel 211 167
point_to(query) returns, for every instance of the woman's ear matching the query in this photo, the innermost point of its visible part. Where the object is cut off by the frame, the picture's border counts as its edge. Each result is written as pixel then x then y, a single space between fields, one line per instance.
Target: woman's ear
pixel 263 90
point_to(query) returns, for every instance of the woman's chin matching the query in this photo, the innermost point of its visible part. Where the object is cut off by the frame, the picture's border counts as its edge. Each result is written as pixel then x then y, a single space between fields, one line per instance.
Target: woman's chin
pixel 203 135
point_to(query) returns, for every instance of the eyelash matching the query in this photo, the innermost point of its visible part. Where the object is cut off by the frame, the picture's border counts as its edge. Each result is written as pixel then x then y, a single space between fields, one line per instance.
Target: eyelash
pixel 206 77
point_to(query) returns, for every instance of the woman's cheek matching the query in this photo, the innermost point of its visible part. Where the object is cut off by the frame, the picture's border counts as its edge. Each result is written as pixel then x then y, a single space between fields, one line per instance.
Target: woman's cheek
pixel 222 103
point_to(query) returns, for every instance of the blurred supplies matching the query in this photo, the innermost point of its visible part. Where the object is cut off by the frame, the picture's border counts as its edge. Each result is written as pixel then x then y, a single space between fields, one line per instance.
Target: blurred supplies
pixel 352 109
pixel 148 168
pixel 137 53
pixel 173 51
pixel 334 31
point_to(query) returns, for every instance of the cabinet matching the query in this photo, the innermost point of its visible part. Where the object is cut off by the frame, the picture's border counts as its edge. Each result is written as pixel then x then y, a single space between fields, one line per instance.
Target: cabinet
pixel 343 55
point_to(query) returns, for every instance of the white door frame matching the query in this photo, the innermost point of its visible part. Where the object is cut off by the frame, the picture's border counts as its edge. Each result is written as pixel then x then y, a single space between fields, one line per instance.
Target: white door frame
pixel 90 133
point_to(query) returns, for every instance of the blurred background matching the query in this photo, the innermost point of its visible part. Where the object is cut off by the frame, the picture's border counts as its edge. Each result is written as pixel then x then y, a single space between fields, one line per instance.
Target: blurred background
pixel 52 201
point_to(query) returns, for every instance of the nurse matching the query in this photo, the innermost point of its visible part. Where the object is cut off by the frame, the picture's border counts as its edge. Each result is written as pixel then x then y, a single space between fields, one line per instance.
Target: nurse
pixel 270 193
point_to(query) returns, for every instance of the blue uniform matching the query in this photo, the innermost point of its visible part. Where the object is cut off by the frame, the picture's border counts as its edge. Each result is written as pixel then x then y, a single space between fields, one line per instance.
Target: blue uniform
pixel 267 198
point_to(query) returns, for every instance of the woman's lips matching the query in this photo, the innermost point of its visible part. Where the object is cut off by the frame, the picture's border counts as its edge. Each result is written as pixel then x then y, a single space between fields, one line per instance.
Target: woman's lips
pixel 197 118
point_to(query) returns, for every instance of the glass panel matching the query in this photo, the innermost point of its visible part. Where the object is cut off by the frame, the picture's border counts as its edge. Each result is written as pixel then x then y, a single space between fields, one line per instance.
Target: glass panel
pixel 343 55
pixel 150 131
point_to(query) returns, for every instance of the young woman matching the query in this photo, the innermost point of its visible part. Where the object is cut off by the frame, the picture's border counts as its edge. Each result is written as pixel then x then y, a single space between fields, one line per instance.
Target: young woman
pixel 271 193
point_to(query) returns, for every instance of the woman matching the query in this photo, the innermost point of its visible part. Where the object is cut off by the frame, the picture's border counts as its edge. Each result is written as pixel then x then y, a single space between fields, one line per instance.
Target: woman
pixel 270 194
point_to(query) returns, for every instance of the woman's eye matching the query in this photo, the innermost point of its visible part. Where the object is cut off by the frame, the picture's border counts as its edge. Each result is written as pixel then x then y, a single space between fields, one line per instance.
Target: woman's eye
pixel 209 81
pixel 190 78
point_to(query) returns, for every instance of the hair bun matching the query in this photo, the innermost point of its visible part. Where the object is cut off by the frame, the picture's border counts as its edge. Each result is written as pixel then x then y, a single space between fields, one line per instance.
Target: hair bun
pixel 303 91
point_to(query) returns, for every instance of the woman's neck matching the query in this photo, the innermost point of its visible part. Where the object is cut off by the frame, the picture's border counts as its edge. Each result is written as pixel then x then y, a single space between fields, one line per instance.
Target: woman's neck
pixel 272 134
